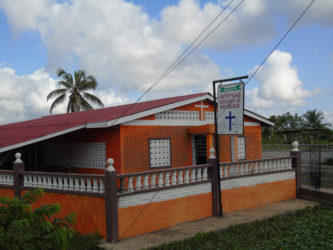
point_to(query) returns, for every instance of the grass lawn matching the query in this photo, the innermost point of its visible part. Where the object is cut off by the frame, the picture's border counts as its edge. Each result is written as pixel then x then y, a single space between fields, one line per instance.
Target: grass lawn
pixel 310 228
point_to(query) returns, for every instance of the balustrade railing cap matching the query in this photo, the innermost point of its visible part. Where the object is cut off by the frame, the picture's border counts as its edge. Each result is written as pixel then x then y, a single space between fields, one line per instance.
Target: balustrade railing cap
pixel 212 153
pixel 18 158
pixel 110 163
pixel 295 146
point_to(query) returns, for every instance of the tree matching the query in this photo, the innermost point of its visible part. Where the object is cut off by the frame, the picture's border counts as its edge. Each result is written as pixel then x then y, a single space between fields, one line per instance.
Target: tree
pixel 314 120
pixel 22 227
pixel 76 88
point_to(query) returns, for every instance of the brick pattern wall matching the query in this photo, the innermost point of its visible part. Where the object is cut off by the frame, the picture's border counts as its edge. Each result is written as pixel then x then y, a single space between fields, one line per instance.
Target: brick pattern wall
pixel 135 148
pixel 253 142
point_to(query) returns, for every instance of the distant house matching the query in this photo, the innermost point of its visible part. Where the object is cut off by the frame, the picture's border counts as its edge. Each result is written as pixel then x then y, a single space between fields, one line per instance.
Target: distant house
pixel 170 132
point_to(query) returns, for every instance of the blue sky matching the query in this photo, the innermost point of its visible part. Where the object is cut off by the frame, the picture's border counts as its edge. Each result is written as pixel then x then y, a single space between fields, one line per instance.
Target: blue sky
pixel 128 44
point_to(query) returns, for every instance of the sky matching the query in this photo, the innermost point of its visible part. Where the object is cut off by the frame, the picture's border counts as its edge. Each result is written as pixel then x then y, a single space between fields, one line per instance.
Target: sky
pixel 128 45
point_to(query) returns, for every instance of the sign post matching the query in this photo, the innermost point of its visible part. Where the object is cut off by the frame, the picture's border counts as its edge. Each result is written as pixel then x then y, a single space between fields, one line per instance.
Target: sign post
pixel 229 123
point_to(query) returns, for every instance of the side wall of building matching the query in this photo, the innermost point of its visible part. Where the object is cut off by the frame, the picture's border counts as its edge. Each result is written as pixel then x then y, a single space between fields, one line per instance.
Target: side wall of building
pixel 135 146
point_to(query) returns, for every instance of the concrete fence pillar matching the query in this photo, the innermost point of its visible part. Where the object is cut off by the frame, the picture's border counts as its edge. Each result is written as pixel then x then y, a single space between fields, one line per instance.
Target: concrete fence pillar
pixel 18 169
pixel 212 174
pixel 111 203
pixel 296 155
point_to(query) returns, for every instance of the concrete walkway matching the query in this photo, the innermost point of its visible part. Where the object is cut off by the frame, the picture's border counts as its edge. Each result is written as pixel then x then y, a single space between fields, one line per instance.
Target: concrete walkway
pixel 190 229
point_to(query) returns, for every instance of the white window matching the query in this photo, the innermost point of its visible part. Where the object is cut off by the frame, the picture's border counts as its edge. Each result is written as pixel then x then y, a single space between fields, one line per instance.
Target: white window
pixel 241 149
pixel 160 153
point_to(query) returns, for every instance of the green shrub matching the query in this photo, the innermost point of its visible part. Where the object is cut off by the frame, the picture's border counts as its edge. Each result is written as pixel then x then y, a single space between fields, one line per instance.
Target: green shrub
pixel 21 227
pixel 85 242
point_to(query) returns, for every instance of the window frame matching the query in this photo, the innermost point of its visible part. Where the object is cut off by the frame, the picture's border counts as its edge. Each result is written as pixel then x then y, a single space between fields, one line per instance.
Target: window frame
pixel 149 152
pixel 244 138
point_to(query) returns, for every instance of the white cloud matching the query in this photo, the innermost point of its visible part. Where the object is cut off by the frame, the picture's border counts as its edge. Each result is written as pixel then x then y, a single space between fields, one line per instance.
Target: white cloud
pixel 24 97
pixel 328 116
pixel 319 13
pixel 279 85
pixel 125 49
pixel 248 25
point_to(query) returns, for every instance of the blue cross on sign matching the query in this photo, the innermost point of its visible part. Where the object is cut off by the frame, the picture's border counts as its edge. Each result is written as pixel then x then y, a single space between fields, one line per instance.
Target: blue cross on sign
pixel 230 117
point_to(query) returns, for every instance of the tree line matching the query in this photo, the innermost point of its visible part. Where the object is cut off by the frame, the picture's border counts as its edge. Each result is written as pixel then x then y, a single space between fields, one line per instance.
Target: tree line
pixel 307 128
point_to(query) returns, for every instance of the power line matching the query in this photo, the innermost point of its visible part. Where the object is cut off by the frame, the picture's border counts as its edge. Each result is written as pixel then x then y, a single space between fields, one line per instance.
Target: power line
pixel 193 49
pixel 299 18
pixel 196 39
pixel 179 59
pixel 274 48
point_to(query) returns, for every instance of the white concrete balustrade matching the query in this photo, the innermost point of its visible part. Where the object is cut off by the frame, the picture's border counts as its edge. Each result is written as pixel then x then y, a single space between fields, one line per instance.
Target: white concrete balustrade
pixel 160 179
pixel 70 183
pixel 254 167
pixel 6 179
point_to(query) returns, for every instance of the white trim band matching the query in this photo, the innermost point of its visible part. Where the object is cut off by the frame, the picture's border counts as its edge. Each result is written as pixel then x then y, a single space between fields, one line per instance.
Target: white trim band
pixel 163 195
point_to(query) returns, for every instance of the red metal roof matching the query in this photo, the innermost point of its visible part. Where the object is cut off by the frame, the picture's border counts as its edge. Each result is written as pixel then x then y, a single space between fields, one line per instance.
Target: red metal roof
pixel 22 133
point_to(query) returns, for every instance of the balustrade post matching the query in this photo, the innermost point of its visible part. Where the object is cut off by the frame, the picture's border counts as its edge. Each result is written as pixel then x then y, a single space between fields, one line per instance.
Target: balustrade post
pixel 296 155
pixel 111 203
pixel 18 169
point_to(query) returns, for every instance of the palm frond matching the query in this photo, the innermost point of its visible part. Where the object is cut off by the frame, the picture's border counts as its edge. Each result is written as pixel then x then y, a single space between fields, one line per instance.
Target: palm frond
pixel 84 104
pixel 92 98
pixel 64 75
pixel 79 76
pixel 87 85
pixel 57 101
pixel 56 92
pixel 65 84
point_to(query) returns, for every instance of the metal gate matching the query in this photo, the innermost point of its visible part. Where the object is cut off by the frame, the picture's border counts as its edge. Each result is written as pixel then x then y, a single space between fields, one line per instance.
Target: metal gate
pixel 315 166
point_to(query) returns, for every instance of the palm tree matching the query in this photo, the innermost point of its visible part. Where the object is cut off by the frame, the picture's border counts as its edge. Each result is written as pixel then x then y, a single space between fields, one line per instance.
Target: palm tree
pixel 76 89
pixel 314 118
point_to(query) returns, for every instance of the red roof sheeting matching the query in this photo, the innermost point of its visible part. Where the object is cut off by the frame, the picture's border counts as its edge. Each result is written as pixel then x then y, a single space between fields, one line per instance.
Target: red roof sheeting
pixel 34 130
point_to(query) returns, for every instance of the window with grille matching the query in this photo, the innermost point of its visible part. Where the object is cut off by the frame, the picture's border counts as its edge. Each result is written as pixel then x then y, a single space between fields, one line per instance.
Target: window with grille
pixel 241 149
pixel 160 153
pixel 200 149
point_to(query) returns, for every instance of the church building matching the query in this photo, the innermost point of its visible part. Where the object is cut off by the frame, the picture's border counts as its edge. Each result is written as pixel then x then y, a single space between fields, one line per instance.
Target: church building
pixel 164 133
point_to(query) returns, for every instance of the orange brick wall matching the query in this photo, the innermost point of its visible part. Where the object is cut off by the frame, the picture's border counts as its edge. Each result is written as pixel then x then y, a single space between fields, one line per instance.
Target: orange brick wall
pixel 253 142
pixel 225 148
pixel 135 147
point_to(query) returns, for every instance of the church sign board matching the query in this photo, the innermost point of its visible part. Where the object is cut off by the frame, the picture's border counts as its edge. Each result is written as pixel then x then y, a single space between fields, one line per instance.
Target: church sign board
pixel 230 114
